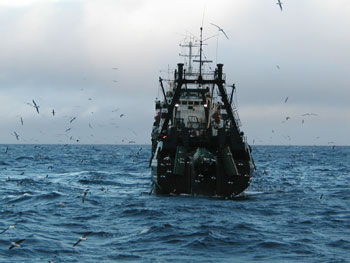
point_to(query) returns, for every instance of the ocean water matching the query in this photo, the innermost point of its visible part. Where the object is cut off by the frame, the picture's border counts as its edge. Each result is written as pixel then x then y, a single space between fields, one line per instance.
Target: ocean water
pixel 297 208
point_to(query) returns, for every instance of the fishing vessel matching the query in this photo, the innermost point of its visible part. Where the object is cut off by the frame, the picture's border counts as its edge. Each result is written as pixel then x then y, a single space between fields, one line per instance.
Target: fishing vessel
pixel 198 146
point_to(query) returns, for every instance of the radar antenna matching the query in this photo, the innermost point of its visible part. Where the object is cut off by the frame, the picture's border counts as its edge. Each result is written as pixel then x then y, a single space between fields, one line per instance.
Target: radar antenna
pixel 190 45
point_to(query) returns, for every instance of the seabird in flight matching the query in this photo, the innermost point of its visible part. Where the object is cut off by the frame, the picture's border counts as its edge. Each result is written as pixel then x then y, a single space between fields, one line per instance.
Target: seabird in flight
pixel 36 106
pixel 73 119
pixel 220 29
pixel 81 239
pixel 285 101
pixel 16 244
pixel 53 112
pixel 16 134
pixel 10 227
pixel 280 4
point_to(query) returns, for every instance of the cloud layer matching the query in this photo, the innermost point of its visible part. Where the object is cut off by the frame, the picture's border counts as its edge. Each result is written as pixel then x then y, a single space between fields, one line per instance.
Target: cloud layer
pixel 62 54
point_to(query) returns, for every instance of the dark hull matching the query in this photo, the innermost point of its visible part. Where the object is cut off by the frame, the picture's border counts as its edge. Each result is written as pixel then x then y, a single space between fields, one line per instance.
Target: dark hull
pixel 223 185
pixel 213 166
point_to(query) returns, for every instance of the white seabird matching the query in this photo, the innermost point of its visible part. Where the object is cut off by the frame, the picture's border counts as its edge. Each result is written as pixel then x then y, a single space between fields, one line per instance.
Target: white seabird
pixel 10 227
pixel 220 29
pixel 16 244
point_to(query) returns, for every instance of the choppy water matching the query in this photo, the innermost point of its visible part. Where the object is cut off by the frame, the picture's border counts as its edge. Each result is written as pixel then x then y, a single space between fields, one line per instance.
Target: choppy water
pixel 296 210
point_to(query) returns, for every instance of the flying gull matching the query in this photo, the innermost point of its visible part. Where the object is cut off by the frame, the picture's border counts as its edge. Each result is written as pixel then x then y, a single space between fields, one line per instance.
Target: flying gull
pixel 36 106
pixel 285 101
pixel 16 134
pixel 81 239
pixel 73 119
pixel 280 4
pixel 10 227
pixel 53 112
pixel 220 29
pixel 16 244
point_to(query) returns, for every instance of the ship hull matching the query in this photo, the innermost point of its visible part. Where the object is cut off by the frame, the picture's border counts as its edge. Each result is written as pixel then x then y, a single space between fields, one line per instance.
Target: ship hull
pixel 208 168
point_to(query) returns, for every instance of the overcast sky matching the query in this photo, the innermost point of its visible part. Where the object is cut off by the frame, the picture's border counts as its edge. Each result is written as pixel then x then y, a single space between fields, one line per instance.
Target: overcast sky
pixel 61 53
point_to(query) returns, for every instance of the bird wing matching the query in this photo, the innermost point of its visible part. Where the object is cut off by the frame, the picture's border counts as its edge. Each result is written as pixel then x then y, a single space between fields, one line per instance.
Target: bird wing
pixel 3 231
pixel 215 25
pixel 19 241
pixel 225 34
pixel 280 4
pixel 76 243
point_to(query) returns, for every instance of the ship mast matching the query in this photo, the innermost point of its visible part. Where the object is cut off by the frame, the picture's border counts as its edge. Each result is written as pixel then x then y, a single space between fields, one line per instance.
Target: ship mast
pixel 200 53
pixel 190 55
pixel 201 61
pixel 190 46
